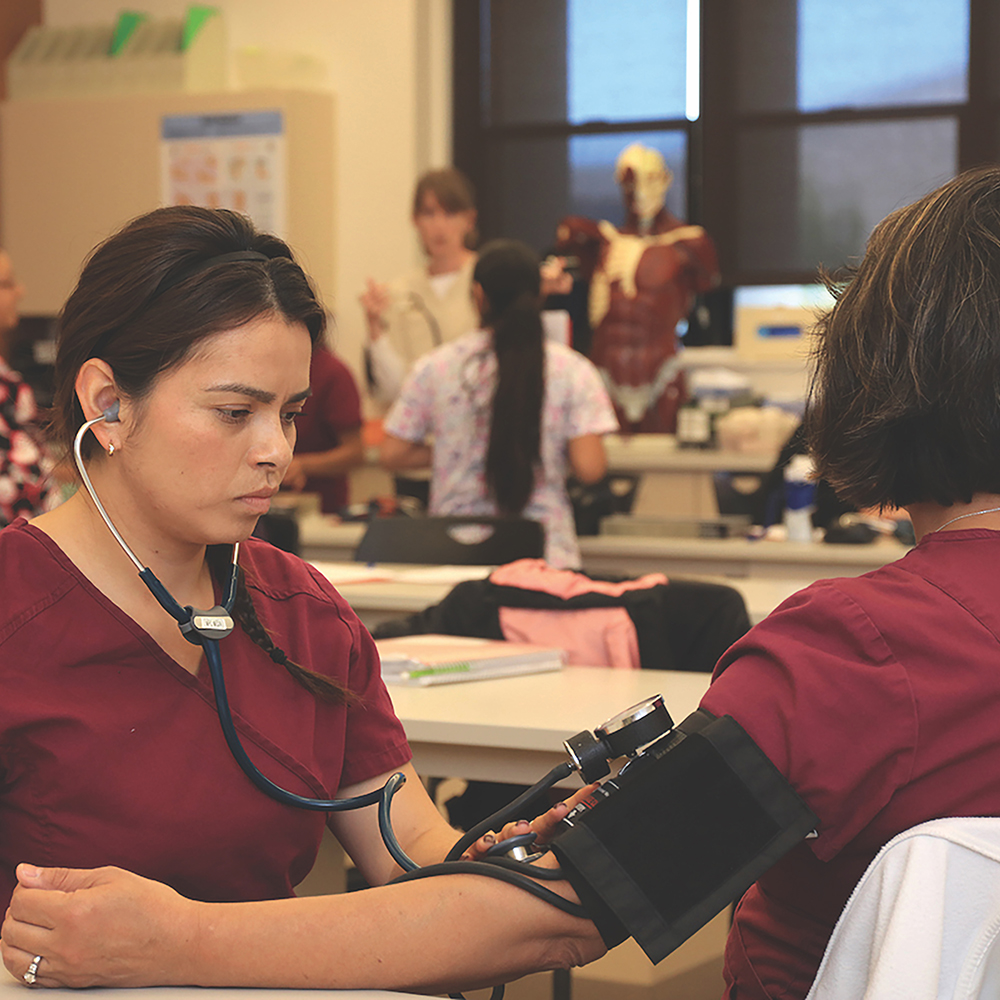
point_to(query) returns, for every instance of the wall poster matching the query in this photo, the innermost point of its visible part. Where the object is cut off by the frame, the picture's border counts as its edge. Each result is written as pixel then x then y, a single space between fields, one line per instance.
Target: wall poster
pixel 233 160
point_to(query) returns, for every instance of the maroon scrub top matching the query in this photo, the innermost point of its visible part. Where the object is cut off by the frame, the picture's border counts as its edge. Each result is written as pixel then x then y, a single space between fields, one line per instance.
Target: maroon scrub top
pixel 111 753
pixel 878 697
pixel 333 407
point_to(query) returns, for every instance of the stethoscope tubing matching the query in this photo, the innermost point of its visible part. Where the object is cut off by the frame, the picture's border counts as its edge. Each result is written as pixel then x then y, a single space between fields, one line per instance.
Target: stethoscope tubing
pixel 506 869
pixel 183 616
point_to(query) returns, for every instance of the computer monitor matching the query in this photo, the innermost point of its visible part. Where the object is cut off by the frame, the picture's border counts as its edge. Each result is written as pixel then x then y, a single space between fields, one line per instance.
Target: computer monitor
pixel 774 322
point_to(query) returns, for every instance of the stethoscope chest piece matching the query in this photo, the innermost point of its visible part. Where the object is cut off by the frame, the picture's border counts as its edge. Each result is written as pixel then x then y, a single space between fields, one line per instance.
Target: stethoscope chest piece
pixel 216 623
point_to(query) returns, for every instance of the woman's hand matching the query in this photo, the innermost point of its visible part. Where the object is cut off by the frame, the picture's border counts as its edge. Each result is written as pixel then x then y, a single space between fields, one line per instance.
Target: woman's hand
pixel 542 826
pixel 375 301
pixel 97 927
pixel 556 280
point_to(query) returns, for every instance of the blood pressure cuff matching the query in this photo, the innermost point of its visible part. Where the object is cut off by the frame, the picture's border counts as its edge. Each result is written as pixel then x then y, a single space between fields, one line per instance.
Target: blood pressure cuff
pixel 679 834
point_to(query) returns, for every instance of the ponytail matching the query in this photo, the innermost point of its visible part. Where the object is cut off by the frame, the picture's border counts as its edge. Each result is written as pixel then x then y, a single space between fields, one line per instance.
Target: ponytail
pixel 508 273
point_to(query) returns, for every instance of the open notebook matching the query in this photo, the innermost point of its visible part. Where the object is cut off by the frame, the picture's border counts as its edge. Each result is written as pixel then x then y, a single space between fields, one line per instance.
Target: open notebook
pixel 445 659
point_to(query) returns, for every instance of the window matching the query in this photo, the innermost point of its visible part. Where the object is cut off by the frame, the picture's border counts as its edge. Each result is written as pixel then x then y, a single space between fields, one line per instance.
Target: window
pixel 809 121
pixel 839 112
pixel 558 90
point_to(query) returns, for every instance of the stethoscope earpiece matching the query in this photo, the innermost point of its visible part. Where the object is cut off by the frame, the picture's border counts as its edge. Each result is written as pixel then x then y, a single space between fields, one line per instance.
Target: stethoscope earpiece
pixel 111 413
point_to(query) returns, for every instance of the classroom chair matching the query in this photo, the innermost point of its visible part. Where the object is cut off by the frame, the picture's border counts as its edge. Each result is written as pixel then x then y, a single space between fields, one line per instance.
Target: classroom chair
pixel 451 541
pixel 680 625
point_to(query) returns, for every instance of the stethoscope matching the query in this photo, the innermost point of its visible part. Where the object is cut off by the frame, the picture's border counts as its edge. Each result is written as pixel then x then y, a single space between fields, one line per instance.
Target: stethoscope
pixel 508 860
pixel 416 300
pixel 206 629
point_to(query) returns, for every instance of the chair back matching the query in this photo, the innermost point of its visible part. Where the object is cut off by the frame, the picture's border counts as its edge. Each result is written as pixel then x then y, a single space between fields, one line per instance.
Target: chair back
pixel 739 493
pixel 459 541
pixel 924 921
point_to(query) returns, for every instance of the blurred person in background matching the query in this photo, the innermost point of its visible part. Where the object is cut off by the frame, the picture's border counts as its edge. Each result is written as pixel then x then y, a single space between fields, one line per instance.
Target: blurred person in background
pixel 25 463
pixel 328 443
pixel 430 305
pixel 510 412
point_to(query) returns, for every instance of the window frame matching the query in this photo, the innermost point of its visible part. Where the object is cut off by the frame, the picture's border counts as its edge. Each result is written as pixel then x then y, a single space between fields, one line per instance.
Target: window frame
pixel 713 168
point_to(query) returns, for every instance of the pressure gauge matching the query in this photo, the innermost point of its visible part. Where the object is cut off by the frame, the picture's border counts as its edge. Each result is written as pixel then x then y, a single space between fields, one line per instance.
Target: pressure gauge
pixel 623 734
pixel 636 727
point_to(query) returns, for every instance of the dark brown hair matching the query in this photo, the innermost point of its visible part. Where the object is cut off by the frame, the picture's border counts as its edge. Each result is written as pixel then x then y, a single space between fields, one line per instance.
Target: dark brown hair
pixel 147 297
pixel 454 193
pixel 145 300
pixel 905 401
pixel 508 272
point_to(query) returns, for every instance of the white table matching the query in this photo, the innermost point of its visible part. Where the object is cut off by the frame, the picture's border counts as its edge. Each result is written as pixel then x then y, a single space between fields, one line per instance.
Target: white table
pixel 322 538
pixel 661 453
pixel 512 728
pixel 11 989
pixel 633 555
pixel 670 477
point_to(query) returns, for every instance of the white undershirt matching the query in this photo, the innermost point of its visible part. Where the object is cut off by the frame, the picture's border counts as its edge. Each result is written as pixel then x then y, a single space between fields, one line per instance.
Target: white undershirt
pixel 441 283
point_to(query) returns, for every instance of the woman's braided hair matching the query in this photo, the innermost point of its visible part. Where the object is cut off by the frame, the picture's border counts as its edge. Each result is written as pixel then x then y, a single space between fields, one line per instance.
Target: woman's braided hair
pixel 245 615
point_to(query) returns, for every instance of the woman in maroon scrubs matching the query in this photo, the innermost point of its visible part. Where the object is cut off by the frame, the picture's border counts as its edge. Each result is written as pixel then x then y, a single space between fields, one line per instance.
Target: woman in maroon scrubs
pixel 192 333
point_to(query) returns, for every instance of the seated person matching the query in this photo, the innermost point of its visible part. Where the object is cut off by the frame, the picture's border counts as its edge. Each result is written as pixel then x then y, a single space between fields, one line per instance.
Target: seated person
pixel 328 433
pixel 25 463
pixel 184 359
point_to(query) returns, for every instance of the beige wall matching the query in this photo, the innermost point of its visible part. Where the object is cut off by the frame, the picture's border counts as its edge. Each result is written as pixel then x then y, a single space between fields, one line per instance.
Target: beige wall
pixel 389 64
pixel 15 19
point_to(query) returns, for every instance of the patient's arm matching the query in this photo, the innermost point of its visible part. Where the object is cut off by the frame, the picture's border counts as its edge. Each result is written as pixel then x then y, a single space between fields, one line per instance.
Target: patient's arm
pixel 109 927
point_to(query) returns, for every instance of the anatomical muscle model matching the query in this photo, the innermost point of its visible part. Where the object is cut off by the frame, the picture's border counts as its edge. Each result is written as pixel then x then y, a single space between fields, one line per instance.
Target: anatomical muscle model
pixel 644 277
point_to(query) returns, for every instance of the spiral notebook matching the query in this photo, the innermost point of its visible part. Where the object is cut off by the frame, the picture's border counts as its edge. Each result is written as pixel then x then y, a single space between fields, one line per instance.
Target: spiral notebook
pixel 422 660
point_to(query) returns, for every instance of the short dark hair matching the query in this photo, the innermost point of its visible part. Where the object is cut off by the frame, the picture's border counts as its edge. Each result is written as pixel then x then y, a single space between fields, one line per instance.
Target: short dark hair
pixel 454 193
pixel 905 398
pixel 453 190
pixel 148 295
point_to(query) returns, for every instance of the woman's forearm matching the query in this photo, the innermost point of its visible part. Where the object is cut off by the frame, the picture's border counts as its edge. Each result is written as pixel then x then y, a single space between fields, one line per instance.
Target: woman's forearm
pixel 443 933
pixel 335 461
pixel 397 455
pixel 587 458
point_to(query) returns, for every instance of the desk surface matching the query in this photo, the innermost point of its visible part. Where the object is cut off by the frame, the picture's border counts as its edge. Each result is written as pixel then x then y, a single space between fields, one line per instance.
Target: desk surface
pixel 11 989
pixel 512 728
pixel 323 538
pixel 734 556
pixel 661 453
